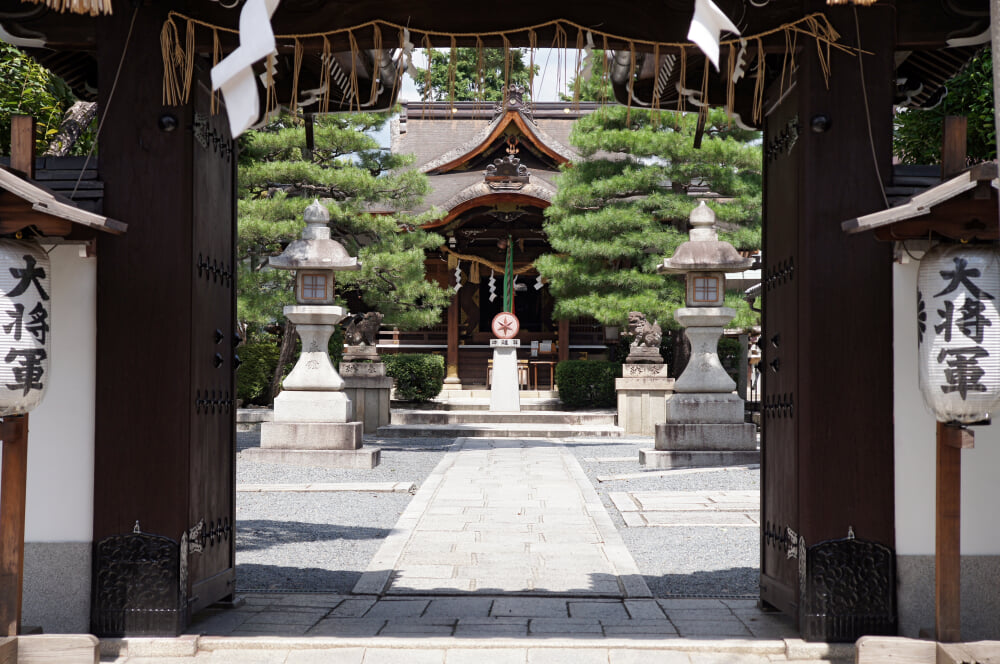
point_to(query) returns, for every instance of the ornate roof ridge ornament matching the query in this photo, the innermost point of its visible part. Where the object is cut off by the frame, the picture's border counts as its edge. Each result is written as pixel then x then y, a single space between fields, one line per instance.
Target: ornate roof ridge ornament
pixel 507 174
pixel 514 101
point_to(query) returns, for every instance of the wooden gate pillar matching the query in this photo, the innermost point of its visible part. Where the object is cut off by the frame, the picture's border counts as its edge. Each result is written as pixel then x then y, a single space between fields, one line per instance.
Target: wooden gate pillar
pixel 165 421
pixel 827 466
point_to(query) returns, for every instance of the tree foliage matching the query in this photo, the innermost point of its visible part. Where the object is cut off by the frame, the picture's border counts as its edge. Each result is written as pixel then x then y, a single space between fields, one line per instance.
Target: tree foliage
pixel 592 84
pixel 480 74
pixel 27 88
pixel 918 132
pixel 345 169
pixel 624 207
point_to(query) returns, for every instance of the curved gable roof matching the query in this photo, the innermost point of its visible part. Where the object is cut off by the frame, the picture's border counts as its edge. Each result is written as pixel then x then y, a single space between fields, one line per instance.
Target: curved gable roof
pixel 487 137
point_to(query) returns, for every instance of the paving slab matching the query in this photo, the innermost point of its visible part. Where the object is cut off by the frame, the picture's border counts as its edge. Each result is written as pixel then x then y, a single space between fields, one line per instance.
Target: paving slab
pixel 486 655
pixel 520 493
pixel 400 655
pixel 332 656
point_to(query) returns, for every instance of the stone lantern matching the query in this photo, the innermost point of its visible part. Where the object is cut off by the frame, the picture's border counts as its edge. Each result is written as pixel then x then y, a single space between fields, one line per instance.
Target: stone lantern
pixel 312 415
pixel 705 421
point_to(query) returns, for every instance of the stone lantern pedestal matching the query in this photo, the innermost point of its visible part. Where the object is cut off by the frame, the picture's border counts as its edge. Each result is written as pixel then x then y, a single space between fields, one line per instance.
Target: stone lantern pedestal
pixel 704 424
pixel 313 414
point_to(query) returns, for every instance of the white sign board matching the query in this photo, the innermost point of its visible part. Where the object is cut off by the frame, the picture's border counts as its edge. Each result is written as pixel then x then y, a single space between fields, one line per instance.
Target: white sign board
pixel 25 308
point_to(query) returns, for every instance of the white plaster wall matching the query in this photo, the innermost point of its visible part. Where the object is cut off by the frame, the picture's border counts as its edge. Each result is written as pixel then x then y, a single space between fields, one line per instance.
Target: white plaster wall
pixel 915 449
pixel 60 492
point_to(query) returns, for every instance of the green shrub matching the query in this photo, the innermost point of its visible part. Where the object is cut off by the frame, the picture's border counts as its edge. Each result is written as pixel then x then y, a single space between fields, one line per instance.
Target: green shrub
pixel 253 378
pixel 587 383
pixel 418 377
pixel 730 355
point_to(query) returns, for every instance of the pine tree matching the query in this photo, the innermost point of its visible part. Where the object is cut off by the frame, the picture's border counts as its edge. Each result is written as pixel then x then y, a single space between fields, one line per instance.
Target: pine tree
pixel 345 169
pixel 624 207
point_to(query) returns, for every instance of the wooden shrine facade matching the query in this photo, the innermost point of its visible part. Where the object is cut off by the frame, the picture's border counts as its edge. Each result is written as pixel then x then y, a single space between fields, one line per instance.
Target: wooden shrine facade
pixel 165 453
pixel 491 169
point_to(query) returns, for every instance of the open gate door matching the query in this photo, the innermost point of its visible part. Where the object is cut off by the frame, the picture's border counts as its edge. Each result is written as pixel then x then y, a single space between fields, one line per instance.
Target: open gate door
pixel 164 501
pixel 827 442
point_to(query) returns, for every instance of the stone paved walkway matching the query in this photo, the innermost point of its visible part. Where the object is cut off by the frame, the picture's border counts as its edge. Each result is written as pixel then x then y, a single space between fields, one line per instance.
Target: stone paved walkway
pixel 505 516
pixel 731 509
pixel 504 555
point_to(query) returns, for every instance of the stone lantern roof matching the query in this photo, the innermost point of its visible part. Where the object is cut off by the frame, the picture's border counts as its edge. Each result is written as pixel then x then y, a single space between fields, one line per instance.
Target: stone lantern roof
pixel 315 250
pixel 704 252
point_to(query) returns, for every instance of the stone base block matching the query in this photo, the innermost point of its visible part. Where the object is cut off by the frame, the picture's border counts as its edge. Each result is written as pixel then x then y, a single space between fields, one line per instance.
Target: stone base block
pixel 363 458
pixel 250 419
pixel 980 600
pixel 370 397
pixel 706 437
pixel 62 648
pixel 8 650
pixel 311 435
pixel 642 403
pixel 57 586
pixel 309 406
pixel 667 459
pixel 705 409
pixel 642 354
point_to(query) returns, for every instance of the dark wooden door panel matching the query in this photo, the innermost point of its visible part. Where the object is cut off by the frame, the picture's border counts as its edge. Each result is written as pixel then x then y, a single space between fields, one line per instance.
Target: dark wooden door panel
pixel 212 402
pixel 779 343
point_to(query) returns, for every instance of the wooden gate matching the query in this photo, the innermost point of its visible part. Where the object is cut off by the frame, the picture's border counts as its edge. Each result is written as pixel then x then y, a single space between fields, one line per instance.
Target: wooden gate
pixel 165 449
pixel 827 447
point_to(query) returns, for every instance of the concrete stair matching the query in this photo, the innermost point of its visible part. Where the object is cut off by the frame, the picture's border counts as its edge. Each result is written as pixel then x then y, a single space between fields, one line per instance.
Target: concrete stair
pixel 548 417
pixel 478 398
pixel 485 423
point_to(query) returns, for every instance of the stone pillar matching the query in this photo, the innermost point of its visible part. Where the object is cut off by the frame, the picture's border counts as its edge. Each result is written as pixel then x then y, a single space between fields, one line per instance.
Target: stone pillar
pixel 505 392
pixel 643 393
pixel 367 386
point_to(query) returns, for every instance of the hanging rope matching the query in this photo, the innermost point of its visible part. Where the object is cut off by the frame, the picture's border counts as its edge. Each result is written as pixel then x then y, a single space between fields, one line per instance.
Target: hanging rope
pixel 495 267
pixel 178 52
pixel 508 278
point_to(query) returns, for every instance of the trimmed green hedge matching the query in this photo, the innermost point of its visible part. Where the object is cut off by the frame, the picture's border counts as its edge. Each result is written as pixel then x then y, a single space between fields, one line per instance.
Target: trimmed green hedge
pixel 418 377
pixel 253 378
pixel 588 383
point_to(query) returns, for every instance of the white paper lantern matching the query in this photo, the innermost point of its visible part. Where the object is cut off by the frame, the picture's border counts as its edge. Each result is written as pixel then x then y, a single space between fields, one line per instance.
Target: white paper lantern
pixel 958 331
pixel 25 310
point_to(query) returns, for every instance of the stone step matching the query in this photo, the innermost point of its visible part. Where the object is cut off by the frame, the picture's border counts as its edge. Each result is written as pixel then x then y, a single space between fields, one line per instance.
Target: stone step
pixel 475 404
pixel 484 393
pixel 499 430
pixel 588 418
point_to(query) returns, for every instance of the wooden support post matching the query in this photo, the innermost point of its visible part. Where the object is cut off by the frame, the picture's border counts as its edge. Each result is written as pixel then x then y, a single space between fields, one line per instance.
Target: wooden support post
pixel 451 359
pixel 563 340
pixel 22 144
pixel 947 548
pixel 13 482
pixel 954 146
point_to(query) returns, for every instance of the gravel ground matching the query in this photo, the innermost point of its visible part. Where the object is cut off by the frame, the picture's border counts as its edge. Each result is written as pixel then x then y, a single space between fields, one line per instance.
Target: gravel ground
pixel 322 542
pixel 701 562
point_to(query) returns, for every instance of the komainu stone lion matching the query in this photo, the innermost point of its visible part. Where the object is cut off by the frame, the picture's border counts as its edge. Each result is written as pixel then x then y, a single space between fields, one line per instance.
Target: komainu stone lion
pixel 363 329
pixel 646 334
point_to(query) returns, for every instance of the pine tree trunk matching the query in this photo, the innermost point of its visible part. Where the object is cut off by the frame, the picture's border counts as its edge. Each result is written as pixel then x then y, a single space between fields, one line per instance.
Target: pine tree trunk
pixel 78 118
pixel 284 357
pixel 682 353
